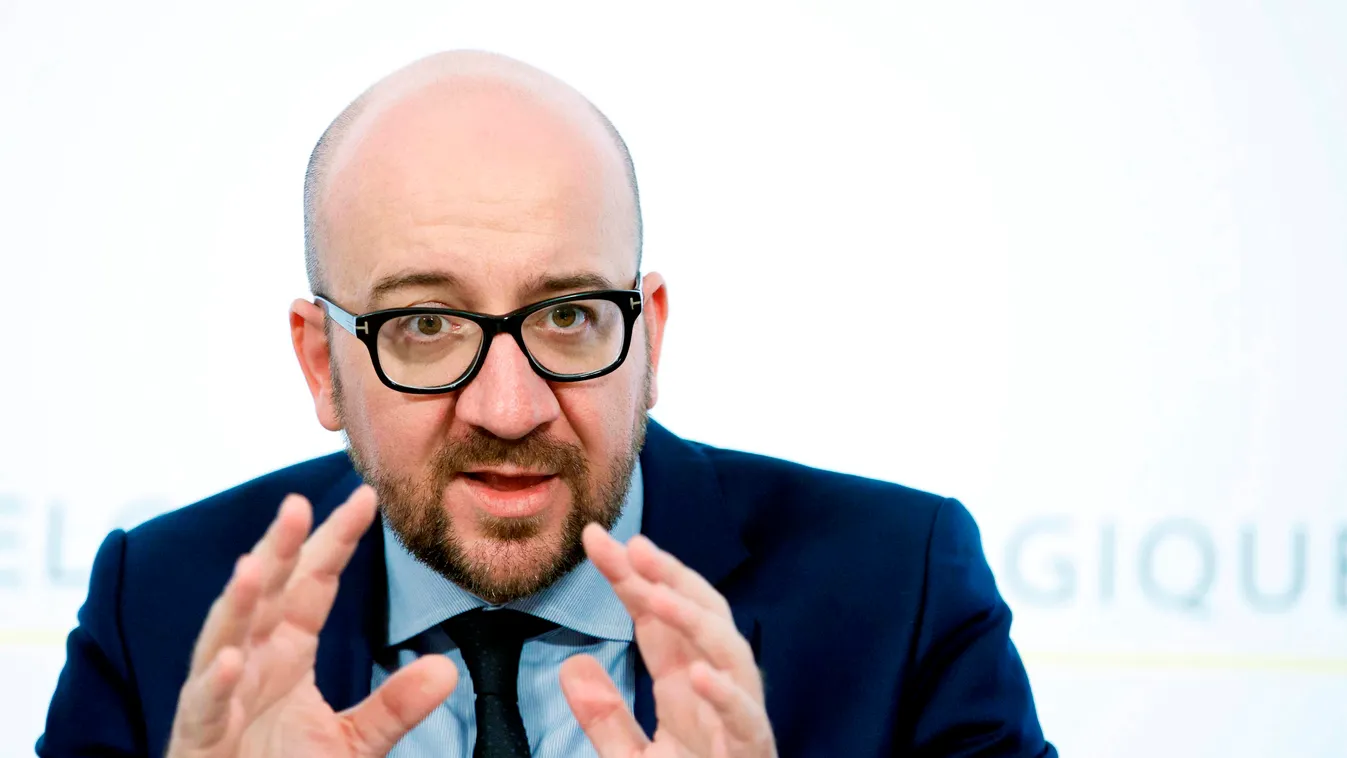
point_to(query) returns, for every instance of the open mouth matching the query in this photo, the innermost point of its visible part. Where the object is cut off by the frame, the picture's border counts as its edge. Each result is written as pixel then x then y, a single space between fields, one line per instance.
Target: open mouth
pixel 507 482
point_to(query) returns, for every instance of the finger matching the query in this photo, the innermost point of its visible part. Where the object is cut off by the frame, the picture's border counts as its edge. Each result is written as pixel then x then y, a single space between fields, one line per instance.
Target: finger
pixel 663 567
pixel 279 551
pixel 313 585
pixel 662 648
pixel 714 636
pixel 745 719
pixel 203 714
pixel 608 555
pixel 230 615
pixel 600 709
pixel 401 703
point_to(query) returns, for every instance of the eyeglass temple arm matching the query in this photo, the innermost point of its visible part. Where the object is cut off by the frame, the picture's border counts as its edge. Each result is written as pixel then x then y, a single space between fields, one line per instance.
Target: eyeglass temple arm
pixel 336 313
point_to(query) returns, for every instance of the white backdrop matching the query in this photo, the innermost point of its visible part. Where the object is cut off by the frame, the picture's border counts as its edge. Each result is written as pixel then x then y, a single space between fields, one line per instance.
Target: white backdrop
pixel 1082 267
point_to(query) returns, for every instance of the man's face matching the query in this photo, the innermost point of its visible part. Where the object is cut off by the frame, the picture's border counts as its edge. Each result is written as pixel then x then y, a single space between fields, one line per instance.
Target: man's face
pixel 486 202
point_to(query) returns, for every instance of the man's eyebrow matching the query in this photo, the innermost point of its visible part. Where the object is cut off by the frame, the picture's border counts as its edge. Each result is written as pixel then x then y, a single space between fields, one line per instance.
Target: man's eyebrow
pixel 535 288
pixel 548 285
pixel 395 282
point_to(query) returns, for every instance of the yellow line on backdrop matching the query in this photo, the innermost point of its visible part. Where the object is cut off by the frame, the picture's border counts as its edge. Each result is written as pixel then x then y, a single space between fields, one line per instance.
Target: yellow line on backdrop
pixel 1172 661
pixel 1169 661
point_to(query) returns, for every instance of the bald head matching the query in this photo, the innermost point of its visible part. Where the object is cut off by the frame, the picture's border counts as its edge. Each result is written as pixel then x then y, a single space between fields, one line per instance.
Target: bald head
pixel 457 111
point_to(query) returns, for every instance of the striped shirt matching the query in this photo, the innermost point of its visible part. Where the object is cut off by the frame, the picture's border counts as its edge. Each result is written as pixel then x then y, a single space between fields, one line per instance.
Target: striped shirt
pixel 591 620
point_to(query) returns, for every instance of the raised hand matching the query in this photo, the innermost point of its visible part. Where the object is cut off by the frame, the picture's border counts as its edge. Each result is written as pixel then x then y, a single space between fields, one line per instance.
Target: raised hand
pixel 708 691
pixel 251 692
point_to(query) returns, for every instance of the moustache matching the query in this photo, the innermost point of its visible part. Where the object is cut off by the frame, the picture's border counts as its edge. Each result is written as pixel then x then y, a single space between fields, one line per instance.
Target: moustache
pixel 534 452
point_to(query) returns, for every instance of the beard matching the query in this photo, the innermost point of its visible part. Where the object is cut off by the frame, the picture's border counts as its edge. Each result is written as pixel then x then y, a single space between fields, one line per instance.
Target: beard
pixel 415 511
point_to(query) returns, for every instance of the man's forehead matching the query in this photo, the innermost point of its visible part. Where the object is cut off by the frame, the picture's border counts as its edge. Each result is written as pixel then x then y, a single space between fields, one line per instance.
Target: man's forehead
pixel 478 279
pixel 383 291
pixel 463 114
pixel 484 146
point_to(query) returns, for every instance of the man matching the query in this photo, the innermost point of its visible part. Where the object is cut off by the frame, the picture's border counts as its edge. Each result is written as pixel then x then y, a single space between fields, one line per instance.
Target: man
pixel 545 571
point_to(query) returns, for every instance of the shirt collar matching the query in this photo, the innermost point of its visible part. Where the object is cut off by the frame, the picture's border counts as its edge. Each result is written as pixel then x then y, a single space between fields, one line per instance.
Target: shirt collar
pixel 582 600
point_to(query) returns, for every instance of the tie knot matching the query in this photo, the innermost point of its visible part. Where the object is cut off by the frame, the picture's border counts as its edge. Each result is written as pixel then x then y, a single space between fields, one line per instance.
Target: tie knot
pixel 491 642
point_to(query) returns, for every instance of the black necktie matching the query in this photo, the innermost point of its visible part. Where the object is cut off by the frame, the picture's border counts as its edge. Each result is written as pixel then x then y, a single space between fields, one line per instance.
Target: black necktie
pixel 490 642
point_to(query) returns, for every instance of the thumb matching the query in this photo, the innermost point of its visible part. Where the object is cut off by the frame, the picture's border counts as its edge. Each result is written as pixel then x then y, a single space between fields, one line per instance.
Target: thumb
pixel 400 703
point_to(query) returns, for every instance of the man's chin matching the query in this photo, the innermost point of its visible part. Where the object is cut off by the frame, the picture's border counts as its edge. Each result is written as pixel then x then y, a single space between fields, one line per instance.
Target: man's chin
pixel 498 537
pixel 500 570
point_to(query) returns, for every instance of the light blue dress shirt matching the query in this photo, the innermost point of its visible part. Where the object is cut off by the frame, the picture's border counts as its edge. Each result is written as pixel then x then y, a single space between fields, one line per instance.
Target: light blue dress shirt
pixel 591 620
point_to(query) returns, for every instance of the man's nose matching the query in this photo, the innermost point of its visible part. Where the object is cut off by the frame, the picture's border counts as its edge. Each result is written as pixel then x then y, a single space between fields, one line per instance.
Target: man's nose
pixel 507 398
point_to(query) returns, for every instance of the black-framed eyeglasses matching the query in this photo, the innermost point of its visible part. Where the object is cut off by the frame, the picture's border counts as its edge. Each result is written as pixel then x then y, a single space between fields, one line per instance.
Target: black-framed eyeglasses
pixel 428 351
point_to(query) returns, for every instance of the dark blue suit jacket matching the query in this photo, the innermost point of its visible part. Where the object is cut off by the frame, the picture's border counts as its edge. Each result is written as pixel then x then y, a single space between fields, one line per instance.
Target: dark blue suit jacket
pixel 870 607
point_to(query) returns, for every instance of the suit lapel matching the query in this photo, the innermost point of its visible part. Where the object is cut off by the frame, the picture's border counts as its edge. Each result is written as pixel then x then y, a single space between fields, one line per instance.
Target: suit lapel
pixel 357 624
pixel 686 513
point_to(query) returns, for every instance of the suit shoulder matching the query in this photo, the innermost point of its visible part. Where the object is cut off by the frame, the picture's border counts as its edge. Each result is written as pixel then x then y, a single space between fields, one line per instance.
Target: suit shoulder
pixel 233 519
pixel 794 495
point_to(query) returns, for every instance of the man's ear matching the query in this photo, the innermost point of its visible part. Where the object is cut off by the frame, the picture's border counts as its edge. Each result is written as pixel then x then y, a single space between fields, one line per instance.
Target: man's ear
pixel 307 331
pixel 655 312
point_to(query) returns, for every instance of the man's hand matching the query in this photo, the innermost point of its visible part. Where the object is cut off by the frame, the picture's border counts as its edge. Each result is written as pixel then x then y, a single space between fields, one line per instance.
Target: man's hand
pixel 708 691
pixel 251 691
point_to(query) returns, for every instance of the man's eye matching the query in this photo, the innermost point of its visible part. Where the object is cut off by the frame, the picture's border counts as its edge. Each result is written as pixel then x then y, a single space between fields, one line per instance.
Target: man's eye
pixel 427 325
pixel 567 316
